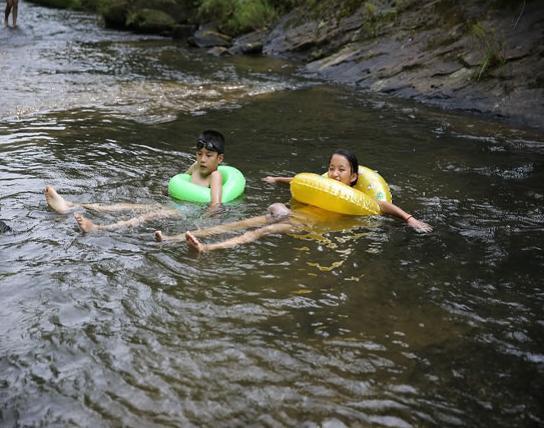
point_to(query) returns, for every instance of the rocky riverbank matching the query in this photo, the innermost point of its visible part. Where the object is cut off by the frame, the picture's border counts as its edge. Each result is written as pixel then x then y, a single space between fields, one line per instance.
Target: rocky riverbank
pixel 476 56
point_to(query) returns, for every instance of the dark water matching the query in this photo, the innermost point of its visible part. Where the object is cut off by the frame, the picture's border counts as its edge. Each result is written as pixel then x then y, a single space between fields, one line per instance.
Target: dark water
pixel 372 325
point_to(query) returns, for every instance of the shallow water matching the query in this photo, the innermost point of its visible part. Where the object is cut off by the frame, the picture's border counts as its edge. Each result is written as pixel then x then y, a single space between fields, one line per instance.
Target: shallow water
pixel 370 324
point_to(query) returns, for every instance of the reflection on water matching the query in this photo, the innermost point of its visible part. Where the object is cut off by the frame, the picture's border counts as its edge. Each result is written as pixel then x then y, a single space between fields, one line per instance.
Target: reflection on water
pixel 363 323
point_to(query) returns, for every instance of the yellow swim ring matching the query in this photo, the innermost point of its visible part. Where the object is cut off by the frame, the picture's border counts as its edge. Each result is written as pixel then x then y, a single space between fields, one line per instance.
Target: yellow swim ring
pixel 332 195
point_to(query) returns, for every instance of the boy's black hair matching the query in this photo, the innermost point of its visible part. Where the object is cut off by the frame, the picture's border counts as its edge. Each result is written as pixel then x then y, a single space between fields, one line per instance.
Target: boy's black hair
pixel 211 140
pixel 352 159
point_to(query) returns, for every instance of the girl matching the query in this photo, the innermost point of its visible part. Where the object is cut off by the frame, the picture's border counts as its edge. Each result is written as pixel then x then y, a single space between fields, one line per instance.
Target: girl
pixel 343 167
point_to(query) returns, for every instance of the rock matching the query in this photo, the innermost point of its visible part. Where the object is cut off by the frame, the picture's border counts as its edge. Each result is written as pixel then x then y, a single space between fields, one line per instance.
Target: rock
pixel 115 14
pixel 467 57
pixel 207 37
pixel 151 21
pixel 218 51
pixel 249 44
pixel 180 11
pixel 61 4
pixel 183 31
pixel 298 37
pixel 4 227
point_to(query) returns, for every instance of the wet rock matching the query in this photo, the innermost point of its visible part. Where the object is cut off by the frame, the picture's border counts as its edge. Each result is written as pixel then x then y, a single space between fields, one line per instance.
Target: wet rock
pixel 298 37
pixel 467 57
pixel 183 31
pixel 207 36
pixel 249 44
pixel 151 21
pixel 218 51
pixel 178 10
pixel 61 4
pixel 4 227
pixel 115 14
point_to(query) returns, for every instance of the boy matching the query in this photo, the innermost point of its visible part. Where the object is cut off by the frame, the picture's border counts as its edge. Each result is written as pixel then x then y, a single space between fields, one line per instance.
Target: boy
pixel 210 148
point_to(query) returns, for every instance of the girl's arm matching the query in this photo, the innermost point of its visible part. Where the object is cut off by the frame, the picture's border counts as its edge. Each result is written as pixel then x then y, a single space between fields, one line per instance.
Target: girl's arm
pixel 273 180
pixel 391 209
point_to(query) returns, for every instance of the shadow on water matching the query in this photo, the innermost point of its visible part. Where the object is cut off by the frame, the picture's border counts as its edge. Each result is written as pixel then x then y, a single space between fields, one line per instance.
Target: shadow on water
pixel 364 323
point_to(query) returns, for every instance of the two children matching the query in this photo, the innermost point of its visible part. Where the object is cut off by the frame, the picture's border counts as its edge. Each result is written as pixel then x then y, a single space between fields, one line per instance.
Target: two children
pixel 343 167
pixel 210 148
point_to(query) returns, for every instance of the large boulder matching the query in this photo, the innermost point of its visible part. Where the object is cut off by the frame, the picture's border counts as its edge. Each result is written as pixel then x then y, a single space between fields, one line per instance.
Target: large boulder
pixel 60 4
pixel 249 44
pixel 463 56
pixel 150 21
pixel 207 36
pixel 116 13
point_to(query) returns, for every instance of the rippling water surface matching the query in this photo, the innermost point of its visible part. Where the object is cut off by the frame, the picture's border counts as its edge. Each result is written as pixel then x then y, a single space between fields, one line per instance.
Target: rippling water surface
pixel 368 324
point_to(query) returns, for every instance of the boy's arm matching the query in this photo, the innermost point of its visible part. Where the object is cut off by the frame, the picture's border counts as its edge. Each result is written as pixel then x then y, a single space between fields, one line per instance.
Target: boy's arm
pixel 216 187
pixel 393 210
pixel 273 180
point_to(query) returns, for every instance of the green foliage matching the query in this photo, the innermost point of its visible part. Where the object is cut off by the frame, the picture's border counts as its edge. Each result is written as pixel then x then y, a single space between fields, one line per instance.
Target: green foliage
pixel 237 16
pixel 492 48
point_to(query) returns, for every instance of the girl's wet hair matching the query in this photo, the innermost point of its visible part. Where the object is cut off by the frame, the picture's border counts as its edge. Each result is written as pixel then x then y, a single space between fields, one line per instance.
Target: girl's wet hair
pixel 352 159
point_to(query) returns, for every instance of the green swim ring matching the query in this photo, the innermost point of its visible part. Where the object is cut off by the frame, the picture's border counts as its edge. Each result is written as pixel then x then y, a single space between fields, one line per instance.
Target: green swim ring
pixel 181 188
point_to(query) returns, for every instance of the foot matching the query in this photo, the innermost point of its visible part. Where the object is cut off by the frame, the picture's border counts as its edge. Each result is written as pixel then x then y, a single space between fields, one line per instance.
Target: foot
pixel 193 241
pixel 57 202
pixel 159 237
pixel 85 225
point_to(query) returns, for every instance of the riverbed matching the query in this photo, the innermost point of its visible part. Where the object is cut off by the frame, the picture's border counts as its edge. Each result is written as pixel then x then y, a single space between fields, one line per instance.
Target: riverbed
pixel 367 323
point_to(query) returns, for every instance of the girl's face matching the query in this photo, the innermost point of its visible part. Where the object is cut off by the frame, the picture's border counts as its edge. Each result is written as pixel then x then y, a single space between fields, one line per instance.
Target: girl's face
pixel 340 170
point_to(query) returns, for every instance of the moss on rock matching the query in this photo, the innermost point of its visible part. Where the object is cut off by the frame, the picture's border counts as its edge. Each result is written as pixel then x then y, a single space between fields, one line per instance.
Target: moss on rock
pixel 150 21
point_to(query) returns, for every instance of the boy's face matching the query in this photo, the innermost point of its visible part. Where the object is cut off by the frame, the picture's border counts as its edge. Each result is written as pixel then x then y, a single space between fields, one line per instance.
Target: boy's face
pixel 208 160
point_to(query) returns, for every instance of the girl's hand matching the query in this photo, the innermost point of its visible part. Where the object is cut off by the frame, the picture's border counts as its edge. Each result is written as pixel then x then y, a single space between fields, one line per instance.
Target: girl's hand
pixel 419 226
pixel 270 180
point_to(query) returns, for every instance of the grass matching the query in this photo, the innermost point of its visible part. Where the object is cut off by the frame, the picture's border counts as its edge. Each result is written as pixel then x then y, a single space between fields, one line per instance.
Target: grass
pixel 492 48
pixel 237 16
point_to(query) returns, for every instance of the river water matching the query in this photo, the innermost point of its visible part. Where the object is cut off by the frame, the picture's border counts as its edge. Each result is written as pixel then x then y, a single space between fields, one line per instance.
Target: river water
pixel 365 324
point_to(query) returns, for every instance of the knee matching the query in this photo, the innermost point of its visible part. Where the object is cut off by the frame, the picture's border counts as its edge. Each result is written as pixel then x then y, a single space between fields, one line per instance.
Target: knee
pixel 277 212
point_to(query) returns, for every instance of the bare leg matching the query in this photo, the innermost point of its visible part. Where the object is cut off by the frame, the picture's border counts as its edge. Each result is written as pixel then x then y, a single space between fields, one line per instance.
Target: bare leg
pixel 215 230
pixel 87 225
pixel 6 13
pixel 14 16
pixel 62 206
pixel 109 208
pixel 245 238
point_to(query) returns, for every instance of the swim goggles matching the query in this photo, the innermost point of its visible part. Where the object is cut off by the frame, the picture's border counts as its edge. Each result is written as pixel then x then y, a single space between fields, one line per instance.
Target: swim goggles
pixel 201 143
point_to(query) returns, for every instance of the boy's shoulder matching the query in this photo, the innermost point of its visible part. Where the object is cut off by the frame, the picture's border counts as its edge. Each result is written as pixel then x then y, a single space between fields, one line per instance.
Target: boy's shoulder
pixel 191 169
